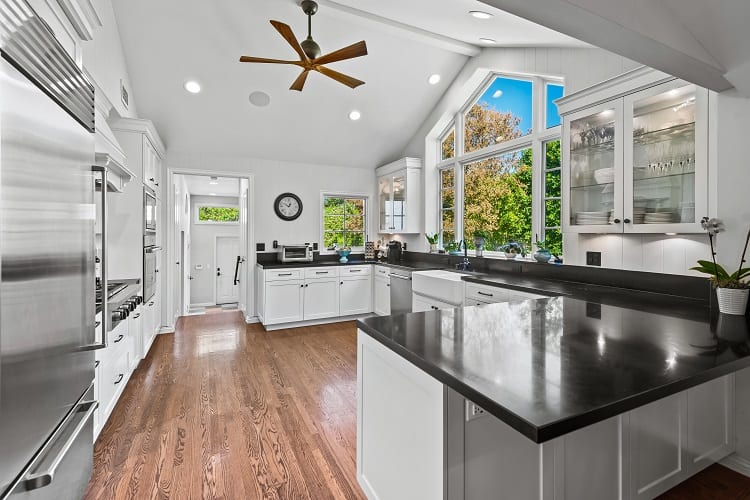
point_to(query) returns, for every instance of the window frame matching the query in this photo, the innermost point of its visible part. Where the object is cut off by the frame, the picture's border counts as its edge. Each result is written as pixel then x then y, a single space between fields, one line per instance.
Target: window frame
pixel 196 211
pixel 544 227
pixel 333 194
pixel 535 140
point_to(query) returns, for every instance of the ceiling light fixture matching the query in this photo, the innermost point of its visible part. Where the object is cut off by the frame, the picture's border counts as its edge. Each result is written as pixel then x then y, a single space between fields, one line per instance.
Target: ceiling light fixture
pixel 434 79
pixel 192 86
pixel 487 40
pixel 480 14
pixel 260 99
pixel 355 115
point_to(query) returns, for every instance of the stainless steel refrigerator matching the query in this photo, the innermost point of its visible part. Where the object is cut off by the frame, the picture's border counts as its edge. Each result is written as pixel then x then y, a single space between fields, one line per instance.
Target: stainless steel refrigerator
pixel 47 303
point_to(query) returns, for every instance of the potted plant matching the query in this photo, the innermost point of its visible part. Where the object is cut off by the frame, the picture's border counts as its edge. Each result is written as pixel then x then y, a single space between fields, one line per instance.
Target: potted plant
pixel 480 239
pixel 451 247
pixel 542 254
pixel 433 241
pixel 513 249
pixel 731 289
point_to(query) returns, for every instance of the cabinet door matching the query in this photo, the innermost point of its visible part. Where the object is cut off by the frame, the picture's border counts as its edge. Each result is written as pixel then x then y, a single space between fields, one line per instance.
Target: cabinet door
pixel 666 161
pixel 135 329
pixel 657 437
pixel 710 422
pixel 284 302
pixel 355 296
pixel 382 297
pixel 398 204
pixel 592 170
pixel 385 190
pixel 321 298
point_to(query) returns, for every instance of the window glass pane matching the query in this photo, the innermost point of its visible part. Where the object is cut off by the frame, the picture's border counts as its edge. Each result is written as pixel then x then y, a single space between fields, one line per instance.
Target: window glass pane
pixel 552 154
pixel 448 146
pixel 447 204
pixel 447 178
pixel 333 223
pixel 497 199
pixel 354 239
pixel 330 239
pixel 218 214
pixel 333 205
pixel 554 91
pixel 552 184
pixel 553 239
pixel 552 213
pixel 354 223
pixel 354 206
pixel 502 112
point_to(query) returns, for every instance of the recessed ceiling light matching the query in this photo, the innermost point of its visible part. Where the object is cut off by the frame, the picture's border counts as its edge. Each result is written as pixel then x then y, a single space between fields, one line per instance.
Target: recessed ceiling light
pixel 480 14
pixel 192 86
pixel 260 99
pixel 434 79
pixel 355 115
pixel 487 40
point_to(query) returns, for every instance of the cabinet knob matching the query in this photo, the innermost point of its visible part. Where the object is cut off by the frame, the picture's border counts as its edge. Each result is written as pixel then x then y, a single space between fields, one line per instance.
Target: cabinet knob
pixel 627 221
pixel 617 221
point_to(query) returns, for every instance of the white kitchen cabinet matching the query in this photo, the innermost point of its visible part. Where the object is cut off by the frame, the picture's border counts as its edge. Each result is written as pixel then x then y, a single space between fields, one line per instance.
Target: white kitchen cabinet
pixel 135 331
pixel 284 301
pixel 400 196
pixel 355 295
pixel 710 421
pixel 321 298
pixel 382 296
pixel 486 294
pixel 635 158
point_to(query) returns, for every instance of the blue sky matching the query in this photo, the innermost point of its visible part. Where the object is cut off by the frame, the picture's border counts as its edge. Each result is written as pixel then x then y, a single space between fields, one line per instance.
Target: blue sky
pixel 514 96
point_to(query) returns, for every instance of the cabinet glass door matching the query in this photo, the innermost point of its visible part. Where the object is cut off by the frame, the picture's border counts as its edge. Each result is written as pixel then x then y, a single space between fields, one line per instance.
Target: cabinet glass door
pixel 385 189
pixel 594 181
pixel 663 158
pixel 398 207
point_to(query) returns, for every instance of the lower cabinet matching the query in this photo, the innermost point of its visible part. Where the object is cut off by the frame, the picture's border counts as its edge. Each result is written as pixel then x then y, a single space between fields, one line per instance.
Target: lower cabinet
pixel 321 298
pixel 113 368
pixel 355 296
pixel 421 303
pixel 135 332
pixel 382 296
pixel 284 301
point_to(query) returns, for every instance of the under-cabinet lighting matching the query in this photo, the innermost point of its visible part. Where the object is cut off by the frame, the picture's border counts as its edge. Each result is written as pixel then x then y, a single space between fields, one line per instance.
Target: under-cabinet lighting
pixel 671 234
pixel 607 112
pixel 212 194
pixel 480 14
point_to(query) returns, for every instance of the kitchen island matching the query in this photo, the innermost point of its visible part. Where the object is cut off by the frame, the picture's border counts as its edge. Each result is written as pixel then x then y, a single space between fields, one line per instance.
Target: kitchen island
pixel 566 397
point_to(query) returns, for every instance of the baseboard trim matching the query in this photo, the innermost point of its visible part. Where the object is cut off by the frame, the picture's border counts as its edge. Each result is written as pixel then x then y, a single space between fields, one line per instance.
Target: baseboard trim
pixel 251 319
pixel 313 322
pixel 166 329
pixel 737 464
pixel 203 304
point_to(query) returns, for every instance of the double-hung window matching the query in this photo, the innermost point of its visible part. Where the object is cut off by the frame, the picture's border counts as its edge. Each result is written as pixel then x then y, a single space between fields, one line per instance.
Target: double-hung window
pixel 496 165
pixel 344 221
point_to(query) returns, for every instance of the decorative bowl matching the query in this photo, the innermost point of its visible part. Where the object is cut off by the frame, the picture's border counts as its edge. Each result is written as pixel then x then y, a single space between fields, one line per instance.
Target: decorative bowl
pixel 344 254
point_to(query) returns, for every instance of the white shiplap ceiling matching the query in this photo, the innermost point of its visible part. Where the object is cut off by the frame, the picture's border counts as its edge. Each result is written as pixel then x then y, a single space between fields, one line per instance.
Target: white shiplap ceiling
pixel 170 41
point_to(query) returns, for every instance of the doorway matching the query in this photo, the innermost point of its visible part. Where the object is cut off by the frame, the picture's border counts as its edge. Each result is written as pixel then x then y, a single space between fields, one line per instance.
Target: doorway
pixel 228 260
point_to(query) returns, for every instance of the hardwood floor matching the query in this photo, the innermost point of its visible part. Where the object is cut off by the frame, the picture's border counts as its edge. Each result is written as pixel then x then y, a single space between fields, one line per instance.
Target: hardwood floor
pixel 220 409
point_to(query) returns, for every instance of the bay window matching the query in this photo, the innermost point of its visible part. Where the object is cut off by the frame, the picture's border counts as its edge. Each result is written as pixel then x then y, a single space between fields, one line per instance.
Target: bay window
pixel 499 167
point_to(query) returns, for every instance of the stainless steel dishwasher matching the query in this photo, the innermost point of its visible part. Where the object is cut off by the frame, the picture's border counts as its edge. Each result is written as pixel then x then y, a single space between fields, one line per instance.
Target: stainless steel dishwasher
pixel 400 291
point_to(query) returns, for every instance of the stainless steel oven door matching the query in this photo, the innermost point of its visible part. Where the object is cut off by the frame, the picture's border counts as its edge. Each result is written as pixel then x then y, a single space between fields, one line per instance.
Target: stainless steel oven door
pixel 149 272
pixel 149 210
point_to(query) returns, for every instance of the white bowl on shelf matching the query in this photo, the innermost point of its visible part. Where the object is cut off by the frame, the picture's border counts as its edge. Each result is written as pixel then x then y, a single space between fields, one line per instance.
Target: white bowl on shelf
pixel 604 175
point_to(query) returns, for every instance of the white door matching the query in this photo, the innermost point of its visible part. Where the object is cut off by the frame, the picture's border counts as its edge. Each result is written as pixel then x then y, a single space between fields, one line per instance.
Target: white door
pixel 356 296
pixel 226 252
pixel 321 298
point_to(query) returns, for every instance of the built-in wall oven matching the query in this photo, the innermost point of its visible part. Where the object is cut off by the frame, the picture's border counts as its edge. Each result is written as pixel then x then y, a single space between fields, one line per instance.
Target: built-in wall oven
pixel 150 247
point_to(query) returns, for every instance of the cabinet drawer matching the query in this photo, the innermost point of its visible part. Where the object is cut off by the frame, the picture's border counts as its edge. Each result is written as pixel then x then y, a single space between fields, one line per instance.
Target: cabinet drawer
pixel 355 271
pixel 283 274
pixel 487 294
pixel 114 374
pixel 382 271
pixel 321 272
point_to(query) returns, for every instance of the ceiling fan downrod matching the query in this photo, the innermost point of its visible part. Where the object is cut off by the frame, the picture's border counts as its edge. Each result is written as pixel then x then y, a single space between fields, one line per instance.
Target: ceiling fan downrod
pixel 311 48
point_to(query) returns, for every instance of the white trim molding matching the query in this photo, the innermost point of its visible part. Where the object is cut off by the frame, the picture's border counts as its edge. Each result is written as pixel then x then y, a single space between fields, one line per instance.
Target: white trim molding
pixel 737 464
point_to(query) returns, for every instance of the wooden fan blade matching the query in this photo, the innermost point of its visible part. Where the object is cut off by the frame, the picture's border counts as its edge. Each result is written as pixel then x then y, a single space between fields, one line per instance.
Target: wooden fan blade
pixel 250 59
pixel 300 81
pixel 358 49
pixel 288 35
pixel 339 77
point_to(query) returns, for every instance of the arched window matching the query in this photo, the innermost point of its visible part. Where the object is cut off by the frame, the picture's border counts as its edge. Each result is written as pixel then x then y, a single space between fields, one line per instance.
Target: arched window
pixel 499 165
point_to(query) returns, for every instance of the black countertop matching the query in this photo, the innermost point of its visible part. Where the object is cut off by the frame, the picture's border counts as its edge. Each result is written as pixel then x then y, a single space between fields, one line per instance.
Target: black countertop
pixel 407 266
pixel 550 366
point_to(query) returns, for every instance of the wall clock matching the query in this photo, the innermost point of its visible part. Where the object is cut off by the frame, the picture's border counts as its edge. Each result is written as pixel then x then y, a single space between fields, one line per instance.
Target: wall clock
pixel 287 206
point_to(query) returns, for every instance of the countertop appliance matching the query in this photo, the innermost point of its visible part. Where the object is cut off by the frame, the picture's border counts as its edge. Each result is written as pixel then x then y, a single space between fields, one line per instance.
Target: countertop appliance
pixel 47 300
pixel 394 252
pixel 296 253
pixel 400 291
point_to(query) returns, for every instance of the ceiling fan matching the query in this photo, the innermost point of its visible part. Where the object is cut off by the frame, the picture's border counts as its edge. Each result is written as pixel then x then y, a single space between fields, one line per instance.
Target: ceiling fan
pixel 309 53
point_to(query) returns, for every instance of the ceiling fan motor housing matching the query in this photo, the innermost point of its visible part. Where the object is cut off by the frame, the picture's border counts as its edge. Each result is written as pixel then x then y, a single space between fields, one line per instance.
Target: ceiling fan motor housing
pixel 311 48
pixel 309 7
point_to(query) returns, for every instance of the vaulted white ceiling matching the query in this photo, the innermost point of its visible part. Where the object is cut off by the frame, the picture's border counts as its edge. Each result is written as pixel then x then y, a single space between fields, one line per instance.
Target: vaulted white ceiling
pixel 170 41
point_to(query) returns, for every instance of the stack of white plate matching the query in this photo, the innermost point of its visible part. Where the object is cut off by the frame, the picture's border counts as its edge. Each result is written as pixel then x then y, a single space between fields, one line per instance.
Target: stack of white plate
pixel 592 218
pixel 658 218
pixel 639 213
pixel 604 175
pixel 687 211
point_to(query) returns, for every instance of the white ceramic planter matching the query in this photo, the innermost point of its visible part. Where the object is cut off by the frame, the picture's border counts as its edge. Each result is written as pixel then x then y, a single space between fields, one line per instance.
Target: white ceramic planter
pixel 732 301
pixel 433 247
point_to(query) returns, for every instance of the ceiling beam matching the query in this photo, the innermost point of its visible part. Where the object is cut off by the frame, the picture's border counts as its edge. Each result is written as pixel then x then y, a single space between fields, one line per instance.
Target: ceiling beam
pixel 403 30
pixel 584 24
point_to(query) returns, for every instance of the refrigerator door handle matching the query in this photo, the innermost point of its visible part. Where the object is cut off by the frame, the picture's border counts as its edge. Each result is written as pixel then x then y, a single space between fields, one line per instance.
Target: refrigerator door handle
pixel 103 264
pixel 44 478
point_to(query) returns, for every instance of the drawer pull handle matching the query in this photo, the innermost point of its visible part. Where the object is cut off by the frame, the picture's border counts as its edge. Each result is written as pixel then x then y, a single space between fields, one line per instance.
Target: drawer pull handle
pixel 119 338
pixel 486 294
pixel 96 364
pixel 355 270
pixel 284 274
pixel 137 316
pixel 119 378
pixel 321 272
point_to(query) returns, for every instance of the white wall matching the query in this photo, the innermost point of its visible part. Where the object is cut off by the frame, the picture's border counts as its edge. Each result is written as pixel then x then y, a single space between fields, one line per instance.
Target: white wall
pixel 202 248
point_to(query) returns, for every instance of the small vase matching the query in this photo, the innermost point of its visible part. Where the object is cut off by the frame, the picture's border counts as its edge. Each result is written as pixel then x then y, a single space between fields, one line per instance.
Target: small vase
pixel 542 256
pixel 433 247
pixel 732 300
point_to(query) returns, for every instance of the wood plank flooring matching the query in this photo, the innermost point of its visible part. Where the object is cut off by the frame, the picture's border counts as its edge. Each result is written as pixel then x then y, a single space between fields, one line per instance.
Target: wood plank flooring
pixel 221 409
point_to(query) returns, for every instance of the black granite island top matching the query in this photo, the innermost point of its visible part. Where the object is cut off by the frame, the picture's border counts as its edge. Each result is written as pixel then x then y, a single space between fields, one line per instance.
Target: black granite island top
pixel 550 366
pixel 407 266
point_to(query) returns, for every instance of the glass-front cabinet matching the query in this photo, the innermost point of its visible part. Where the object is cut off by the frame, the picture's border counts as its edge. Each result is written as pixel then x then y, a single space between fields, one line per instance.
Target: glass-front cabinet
pixel 392 189
pixel 638 162
pixel 399 196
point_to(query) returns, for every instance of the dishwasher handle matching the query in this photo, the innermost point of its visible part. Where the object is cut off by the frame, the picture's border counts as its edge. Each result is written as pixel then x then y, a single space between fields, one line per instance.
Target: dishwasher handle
pixel 399 276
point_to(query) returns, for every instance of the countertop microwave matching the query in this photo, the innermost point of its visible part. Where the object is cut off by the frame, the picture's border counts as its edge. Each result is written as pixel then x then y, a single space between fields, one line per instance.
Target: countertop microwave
pixel 295 253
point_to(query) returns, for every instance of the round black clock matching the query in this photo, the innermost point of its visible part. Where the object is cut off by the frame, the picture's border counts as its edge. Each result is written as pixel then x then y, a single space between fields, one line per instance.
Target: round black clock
pixel 287 206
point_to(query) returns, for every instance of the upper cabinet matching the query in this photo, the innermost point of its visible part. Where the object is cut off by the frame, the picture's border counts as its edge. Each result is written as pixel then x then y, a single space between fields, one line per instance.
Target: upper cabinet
pixel 145 150
pixel 635 158
pixel 399 196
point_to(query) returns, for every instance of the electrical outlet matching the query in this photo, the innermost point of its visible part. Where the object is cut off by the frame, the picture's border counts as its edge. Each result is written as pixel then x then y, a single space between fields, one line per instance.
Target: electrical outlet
pixel 260 247
pixel 473 411
pixel 594 259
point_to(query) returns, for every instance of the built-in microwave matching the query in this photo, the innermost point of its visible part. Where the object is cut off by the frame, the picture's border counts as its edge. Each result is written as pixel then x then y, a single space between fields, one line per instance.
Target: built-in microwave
pixel 296 253
pixel 149 209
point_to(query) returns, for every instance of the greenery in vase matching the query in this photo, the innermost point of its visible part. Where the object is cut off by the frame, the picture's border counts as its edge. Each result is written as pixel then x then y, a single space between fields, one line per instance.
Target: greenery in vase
pixel 451 246
pixel 720 277
pixel 432 239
